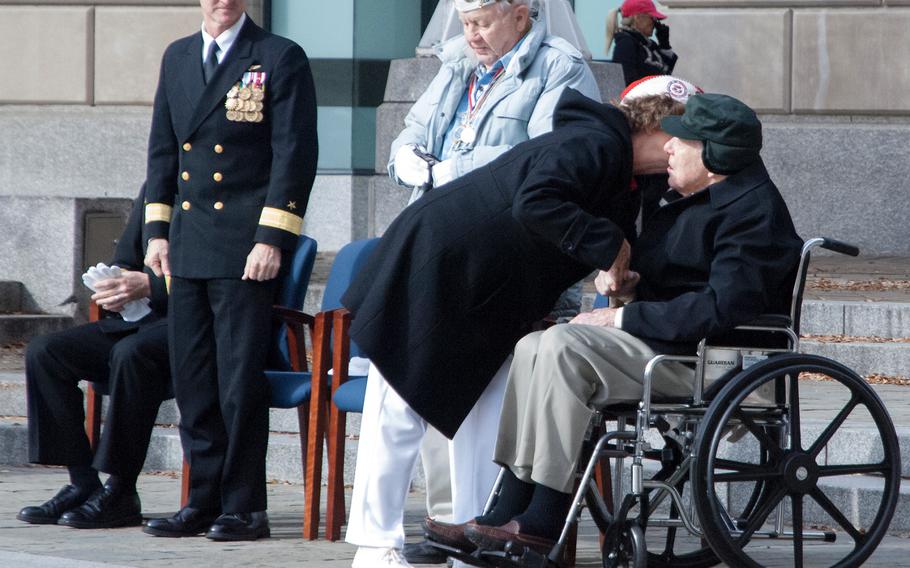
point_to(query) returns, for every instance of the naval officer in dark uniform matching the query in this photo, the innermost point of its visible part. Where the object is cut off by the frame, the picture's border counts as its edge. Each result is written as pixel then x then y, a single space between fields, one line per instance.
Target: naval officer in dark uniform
pixel 231 161
pixel 132 357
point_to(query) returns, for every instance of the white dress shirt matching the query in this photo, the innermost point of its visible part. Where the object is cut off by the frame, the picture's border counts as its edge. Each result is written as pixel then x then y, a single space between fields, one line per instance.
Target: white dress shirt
pixel 225 40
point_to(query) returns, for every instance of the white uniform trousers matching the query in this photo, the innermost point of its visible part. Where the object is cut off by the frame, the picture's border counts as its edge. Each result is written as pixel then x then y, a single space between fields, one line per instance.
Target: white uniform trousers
pixel 390 438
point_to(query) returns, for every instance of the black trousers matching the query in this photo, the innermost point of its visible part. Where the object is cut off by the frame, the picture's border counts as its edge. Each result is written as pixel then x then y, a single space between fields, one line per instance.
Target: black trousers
pixel 220 331
pixel 132 359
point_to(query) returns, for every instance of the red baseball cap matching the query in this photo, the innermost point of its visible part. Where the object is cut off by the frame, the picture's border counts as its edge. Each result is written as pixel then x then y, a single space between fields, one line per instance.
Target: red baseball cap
pixel 631 7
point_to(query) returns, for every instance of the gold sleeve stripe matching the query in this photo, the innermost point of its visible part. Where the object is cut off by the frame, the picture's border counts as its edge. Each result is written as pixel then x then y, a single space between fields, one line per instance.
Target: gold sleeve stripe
pixel 158 212
pixel 167 283
pixel 283 220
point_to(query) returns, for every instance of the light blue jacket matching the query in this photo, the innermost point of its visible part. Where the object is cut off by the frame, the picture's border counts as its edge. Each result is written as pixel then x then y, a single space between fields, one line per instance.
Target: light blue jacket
pixel 519 107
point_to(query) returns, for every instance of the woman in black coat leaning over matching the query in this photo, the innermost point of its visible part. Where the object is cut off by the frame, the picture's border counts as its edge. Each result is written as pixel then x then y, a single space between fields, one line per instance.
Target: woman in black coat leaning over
pixel 462 274
pixel 639 55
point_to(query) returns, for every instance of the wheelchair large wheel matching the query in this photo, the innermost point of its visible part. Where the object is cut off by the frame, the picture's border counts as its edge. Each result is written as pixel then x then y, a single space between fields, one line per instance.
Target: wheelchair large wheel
pixel 803 478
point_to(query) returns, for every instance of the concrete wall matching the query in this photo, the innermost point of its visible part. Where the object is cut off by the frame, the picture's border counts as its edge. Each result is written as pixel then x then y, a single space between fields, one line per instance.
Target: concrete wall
pixel 830 79
pixel 75 112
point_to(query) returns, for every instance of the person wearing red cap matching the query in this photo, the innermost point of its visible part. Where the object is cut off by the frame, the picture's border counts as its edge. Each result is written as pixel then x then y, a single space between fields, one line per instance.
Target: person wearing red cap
pixel 638 54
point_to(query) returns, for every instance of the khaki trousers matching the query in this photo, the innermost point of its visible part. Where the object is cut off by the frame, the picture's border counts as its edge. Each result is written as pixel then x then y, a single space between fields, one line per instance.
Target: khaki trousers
pixel 557 378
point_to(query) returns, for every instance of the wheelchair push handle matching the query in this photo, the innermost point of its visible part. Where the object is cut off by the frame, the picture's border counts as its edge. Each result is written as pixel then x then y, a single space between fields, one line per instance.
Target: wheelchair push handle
pixel 840 246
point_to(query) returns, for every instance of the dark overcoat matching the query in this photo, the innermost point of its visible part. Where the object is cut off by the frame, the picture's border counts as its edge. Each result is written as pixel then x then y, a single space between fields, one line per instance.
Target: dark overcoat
pixel 462 274
pixel 218 185
pixel 711 261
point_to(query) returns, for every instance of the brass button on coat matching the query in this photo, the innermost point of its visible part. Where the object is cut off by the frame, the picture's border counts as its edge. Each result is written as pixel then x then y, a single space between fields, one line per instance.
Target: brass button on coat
pixel 219 148
pixel 187 146
pixel 185 176
pixel 219 205
pixel 186 205
pixel 217 176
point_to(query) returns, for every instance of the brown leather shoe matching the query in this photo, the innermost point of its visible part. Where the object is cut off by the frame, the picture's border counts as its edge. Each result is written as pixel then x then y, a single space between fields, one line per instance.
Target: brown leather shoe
pixel 449 534
pixel 495 538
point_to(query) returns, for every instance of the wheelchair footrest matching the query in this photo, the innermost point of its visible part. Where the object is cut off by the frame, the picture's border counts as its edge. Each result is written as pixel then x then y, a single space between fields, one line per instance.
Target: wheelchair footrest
pixel 472 559
pixel 521 557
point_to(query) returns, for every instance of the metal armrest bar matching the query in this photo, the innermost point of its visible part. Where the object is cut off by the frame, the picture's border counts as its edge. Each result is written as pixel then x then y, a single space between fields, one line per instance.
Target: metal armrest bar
pixel 645 414
pixel 791 335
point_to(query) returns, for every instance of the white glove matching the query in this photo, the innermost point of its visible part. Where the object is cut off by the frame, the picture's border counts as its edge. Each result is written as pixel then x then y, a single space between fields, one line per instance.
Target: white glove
pixel 411 169
pixel 443 172
pixel 132 311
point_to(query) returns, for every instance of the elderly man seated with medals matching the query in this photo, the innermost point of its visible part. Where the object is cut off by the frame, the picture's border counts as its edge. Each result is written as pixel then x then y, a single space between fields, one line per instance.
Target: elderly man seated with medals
pixel 497 86
pixel 461 275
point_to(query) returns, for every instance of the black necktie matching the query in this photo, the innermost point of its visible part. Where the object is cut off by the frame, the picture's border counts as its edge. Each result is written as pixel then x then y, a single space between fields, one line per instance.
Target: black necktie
pixel 211 62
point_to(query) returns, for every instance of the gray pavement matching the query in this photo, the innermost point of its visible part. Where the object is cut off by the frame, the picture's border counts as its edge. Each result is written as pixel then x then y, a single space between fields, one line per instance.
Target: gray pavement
pixel 48 546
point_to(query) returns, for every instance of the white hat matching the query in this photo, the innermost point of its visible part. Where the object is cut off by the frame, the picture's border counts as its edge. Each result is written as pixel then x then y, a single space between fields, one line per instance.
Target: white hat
pixel 674 87
pixel 470 5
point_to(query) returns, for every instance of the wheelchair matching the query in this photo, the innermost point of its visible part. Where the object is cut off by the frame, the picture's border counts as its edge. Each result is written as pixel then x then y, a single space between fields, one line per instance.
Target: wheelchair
pixel 733 474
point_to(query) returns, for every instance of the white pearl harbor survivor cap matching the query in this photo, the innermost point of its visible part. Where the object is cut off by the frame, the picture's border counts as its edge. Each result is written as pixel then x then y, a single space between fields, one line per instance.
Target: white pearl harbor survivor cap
pixel 470 5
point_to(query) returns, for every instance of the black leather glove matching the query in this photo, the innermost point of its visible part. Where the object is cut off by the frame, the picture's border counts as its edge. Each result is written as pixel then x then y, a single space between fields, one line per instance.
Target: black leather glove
pixel 662 31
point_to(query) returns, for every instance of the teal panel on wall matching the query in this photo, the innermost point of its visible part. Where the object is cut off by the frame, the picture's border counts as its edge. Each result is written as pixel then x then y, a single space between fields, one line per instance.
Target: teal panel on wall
pixel 363 138
pixel 323 29
pixel 334 130
pixel 386 29
pixel 592 17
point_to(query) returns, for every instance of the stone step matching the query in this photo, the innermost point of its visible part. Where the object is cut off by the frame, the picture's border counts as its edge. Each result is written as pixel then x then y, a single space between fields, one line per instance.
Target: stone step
pixel 16 328
pixel 283 461
pixel 878 319
pixel 13 403
pixel 866 358
pixel 10 296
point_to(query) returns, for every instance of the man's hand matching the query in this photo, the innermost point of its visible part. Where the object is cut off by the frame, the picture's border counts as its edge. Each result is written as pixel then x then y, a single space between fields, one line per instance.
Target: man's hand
pixel 262 263
pixel 410 168
pixel 603 317
pixel 114 293
pixel 443 172
pixel 156 257
pixel 606 286
pixel 615 277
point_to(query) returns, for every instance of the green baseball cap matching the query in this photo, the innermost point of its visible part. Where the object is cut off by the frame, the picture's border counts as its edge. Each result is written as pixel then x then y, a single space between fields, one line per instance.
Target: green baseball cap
pixel 730 131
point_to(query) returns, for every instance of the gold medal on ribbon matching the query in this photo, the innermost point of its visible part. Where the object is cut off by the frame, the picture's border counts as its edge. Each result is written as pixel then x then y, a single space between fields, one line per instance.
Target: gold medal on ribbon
pixel 258 107
pixel 249 116
pixel 258 94
pixel 233 115
pixel 467 135
pixel 231 104
pixel 245 93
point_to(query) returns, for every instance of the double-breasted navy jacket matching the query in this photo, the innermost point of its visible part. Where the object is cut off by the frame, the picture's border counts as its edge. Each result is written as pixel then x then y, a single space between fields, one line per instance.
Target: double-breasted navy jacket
pixel 219 183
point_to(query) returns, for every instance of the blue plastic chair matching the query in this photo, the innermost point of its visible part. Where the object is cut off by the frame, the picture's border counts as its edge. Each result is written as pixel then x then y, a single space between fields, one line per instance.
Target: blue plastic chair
pixel 347 264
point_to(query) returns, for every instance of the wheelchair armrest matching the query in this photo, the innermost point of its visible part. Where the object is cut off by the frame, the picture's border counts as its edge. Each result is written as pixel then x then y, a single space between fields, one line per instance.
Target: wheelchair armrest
pixel 769 320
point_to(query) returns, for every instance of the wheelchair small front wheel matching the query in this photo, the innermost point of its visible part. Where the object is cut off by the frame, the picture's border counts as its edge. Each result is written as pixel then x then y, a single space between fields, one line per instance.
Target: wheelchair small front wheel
pixel 625 547
pixel 802 478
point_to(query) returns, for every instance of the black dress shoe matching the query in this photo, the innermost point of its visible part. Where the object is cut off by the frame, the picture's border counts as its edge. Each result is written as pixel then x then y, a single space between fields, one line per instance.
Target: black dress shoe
pixel 424 553
pixel 48 513
pixel 186 522
pixel 240 526
pixel 106 508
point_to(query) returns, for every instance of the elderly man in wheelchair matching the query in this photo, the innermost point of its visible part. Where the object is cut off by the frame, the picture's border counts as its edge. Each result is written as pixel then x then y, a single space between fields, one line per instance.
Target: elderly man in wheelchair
pixel 718 264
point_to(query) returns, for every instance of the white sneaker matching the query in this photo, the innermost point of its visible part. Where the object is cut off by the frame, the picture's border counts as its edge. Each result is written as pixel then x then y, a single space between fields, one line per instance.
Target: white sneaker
pixel 370 557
